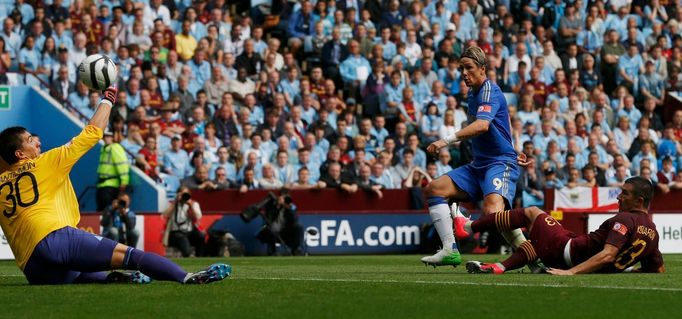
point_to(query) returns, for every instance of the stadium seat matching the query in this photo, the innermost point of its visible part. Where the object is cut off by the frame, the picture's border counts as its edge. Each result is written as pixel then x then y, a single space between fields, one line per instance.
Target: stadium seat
pixel 170 184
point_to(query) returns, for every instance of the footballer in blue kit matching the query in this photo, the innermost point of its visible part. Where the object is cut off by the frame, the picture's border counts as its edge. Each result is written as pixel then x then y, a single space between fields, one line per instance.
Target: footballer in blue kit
pixel 493 173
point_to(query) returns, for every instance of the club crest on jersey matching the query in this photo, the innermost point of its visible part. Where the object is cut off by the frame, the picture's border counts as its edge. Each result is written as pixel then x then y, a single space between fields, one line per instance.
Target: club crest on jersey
pixel 620 228
pixel 485 108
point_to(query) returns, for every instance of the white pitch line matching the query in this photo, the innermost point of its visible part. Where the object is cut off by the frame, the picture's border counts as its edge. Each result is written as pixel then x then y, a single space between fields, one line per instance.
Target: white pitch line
pixel 464 283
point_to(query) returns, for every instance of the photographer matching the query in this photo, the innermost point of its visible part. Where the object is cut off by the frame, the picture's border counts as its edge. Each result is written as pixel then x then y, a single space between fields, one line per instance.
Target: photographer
pixel 182 229
pixel 118 222
pixel 281 222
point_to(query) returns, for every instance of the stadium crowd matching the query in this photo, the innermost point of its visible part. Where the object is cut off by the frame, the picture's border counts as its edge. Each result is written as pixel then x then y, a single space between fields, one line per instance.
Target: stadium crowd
pixel 347 94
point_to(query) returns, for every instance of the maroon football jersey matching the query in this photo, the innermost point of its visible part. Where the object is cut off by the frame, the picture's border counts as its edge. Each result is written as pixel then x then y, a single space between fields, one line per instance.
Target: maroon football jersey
pixel 633 233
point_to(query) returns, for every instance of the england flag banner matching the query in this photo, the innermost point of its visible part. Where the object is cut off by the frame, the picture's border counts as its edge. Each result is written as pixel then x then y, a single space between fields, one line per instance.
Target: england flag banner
pixel 586 199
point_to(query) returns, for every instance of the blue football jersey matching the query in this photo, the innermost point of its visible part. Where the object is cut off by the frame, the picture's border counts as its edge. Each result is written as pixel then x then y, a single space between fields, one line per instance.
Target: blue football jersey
pixel 495 145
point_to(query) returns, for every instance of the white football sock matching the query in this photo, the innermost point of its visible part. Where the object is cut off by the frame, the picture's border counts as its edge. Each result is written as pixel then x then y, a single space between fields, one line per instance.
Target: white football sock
pixel 440 215
pixel 189 274
pixel 514 237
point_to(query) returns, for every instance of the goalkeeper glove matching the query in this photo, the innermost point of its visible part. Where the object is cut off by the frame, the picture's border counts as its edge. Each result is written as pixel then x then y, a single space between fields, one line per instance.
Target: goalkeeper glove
pixel 109 95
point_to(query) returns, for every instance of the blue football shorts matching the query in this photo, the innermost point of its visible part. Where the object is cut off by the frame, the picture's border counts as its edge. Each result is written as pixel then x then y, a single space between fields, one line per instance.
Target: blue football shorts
pixel 65 253
pixel 480 180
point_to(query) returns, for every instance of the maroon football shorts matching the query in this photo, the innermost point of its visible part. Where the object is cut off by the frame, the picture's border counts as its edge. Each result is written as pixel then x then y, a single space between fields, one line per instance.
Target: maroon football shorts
pixel 549 239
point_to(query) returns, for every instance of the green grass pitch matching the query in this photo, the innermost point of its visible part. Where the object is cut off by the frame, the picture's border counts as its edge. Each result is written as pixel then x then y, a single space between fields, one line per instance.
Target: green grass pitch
pixel 354 287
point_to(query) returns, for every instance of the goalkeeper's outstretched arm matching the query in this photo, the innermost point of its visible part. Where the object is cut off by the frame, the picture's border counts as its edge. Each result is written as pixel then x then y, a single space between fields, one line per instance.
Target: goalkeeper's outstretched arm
pixel 101 116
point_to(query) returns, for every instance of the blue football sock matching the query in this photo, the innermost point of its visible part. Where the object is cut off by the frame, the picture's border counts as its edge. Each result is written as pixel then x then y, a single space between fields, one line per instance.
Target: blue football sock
pixel 91 277
pixel 153 265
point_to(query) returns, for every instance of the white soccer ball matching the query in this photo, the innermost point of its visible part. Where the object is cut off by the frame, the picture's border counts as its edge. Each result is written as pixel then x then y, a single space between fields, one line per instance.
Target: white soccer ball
pixel 98 72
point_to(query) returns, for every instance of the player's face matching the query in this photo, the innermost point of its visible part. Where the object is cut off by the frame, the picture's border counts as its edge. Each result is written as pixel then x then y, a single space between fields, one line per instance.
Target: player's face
pixel 472 74
pixel 30 147
pixel 626 199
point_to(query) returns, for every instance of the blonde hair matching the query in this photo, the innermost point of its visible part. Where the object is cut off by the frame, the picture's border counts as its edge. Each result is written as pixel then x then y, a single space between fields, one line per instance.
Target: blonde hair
pixel 476 54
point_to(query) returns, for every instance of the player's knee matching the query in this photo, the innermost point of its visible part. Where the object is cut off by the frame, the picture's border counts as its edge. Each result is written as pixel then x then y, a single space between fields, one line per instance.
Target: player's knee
pixel 533 212
pixel 433 189
pixel 490 208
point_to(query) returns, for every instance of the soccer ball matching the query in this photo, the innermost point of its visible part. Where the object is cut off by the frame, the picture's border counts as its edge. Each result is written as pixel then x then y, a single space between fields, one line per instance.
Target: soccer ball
pixel 98 72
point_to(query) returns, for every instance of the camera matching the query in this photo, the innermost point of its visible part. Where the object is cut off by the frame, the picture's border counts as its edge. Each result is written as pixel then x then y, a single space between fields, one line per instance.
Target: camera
pixel 185 197
pixel 251 212
pixel 122 203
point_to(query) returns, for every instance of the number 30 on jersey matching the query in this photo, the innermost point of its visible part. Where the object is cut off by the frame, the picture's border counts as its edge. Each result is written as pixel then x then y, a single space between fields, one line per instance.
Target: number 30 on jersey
pixel 12 193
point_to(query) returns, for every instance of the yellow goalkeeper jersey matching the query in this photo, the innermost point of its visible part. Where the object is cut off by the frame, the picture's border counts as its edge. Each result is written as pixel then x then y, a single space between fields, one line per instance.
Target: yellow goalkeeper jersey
pixel 36 196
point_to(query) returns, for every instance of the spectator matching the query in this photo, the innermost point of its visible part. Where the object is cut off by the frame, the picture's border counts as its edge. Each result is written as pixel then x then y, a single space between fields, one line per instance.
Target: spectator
pixel 303 181
pixel 199 180
pixel 355 68
pixel 334 179
pixel 646 153
pixel 647 173
pixel 365 182
pixel 574 178
pixel 269 180
pixel 249 180
pixel 313 167
pixel 652 85
pixel 410 110
pixel 419 154
pixel 623 134
pixel 589 177
pixel 225 123
pixel 599 168
pixel 284 171
pixel 641 138
pixel 216 87
pixel 619 177
pixel 176 160
pixel 666 176
pixel 301 26
pixel 630 65
pixel 185 43
pixel 611 53
pixel 147 158
pixel 402 170
pixel 230 168
pixel 417 177
pixel 653 117
pixel 532 185
pixel 668 145
pixel 551 179
pixel 382 176
pixel 443 163
pixel 249 59
pixel 333 53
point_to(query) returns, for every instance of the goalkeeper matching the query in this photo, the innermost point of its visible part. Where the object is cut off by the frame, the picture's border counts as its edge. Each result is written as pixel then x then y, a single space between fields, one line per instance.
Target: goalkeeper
pixel 40 213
